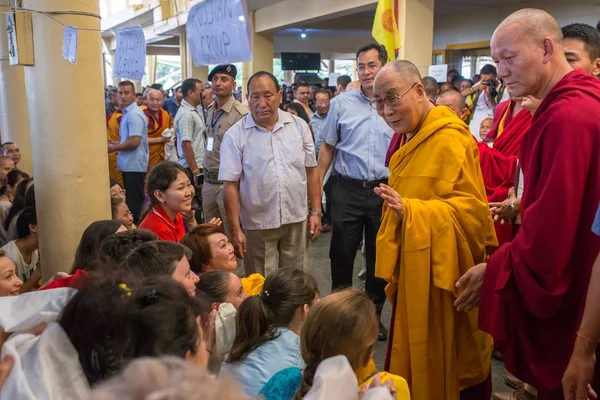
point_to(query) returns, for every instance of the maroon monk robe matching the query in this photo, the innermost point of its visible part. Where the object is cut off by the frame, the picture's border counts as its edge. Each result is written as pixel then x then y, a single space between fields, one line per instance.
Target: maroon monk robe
pixel 499 163
pixel 534 287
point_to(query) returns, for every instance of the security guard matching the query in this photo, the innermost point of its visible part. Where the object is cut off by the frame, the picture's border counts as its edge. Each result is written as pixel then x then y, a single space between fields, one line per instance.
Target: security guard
pixel 222 114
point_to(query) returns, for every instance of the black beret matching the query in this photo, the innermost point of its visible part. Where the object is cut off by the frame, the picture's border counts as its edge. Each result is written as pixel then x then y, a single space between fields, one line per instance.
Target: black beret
pixel 227 69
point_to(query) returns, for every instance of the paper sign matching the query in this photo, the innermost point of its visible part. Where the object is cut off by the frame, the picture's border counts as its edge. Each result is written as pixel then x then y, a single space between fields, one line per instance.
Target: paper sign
pixel 333 78
pixel 70 37
pixel 217 32
pixel 130 55
pixel 439 72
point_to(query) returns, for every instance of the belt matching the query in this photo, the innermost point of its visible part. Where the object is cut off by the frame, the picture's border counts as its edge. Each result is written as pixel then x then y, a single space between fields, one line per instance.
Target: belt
pixel 213 178
pixel 365 184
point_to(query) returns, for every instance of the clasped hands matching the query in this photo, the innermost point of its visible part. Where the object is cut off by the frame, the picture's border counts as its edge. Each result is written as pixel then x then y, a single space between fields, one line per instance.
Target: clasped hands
pixel 503 211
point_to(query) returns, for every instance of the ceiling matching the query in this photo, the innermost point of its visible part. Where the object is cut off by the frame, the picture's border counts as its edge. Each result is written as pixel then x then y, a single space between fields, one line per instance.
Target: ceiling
pixel 257 4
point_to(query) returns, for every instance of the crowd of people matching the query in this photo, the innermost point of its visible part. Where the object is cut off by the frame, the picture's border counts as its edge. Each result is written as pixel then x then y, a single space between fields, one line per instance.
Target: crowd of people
pixel 474 204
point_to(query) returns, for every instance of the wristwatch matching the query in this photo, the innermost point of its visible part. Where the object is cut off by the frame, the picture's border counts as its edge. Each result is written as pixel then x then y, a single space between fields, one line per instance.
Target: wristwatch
pixel 316 214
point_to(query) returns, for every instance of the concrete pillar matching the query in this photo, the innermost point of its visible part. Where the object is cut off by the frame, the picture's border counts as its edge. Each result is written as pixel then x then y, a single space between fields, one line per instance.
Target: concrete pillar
pixel 354 72
pixel 262 52
pixel 288 77
pixel 191 70
pixel 151 62
pixel 70 162
pixel 183 55
pixel 331 68
pixel 138 86
pixel 415 21
pixel 246 74
pixel 14 116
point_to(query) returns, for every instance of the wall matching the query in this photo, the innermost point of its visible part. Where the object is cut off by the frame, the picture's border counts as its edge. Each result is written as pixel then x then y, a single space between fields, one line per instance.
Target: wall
pixel 326 44
pixel 477 26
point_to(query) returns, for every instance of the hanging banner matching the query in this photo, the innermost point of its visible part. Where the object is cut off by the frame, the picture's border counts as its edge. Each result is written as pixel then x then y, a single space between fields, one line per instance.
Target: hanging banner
pixel 439 72
pixel 217 32
pixel 130 54
pixel 69 49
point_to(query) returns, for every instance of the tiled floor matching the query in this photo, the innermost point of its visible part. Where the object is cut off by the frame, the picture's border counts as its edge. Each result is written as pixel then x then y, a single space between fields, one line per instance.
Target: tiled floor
pixel 319 265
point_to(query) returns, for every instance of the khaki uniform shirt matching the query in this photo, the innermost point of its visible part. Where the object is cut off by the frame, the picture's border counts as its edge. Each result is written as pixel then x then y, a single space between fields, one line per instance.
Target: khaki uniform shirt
pixel 217 123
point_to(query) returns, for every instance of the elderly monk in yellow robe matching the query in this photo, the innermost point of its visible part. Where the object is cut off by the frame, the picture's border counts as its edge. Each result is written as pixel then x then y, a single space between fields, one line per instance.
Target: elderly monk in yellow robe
pixel 158 121
pixel 113 122
pixel 436 223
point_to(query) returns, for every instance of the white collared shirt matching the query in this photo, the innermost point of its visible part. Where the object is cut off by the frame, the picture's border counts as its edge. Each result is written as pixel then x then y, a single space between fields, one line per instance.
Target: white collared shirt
pixel 271 169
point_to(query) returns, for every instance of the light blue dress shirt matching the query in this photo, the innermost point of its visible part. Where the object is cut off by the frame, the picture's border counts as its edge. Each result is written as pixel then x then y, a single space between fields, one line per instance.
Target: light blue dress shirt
pixel 596 225
pixel 265 361
pixel 316 123
pixel 133 123
pixel 360 136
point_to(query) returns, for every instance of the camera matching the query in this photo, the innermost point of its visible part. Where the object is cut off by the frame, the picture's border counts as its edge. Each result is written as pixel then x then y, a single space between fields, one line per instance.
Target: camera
pixel 492 88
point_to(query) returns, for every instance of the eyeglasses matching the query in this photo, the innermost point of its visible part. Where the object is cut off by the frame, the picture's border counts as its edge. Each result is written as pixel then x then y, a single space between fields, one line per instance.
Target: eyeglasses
pixel 370 67
pixel 391 100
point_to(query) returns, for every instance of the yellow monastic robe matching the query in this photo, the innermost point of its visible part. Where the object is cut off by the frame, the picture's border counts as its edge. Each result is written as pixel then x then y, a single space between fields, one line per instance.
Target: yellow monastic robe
pixel 156 126
pixel 444 232
pixel 112 132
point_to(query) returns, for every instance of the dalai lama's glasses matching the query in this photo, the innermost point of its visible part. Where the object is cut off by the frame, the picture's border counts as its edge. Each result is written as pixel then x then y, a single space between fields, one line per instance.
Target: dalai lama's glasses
pixel 391 100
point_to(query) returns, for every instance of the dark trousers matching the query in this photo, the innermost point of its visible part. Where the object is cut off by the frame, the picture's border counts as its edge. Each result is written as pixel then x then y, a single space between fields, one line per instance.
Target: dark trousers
pixel 327 189
pixel 197 200
pixel 355 209
pixel 134 186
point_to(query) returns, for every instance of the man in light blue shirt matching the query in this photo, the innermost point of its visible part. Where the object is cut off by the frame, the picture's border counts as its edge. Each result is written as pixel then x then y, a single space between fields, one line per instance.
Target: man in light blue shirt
pixel 356 140
pixel 132 160
pixel 317 120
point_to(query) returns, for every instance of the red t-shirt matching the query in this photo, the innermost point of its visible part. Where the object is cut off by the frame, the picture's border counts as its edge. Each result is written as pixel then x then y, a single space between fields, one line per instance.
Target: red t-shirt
pixel 159 222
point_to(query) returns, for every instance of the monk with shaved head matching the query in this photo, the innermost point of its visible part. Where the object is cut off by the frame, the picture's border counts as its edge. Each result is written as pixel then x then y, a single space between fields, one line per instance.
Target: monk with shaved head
pixel 435 225
pixel 455 101
pixel 158 121
pixel 532 290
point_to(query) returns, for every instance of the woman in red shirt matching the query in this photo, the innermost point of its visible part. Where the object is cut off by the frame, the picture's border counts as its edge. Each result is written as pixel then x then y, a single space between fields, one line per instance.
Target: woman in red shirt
pixel 171 193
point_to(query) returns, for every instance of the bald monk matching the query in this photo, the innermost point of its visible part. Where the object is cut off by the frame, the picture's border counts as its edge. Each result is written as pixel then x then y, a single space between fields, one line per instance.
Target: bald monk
pixel 432 89
pixel 435 224
pixel 582 47
pixel 455 101
pixel 113 122
pixel 532 290
pixel 158 121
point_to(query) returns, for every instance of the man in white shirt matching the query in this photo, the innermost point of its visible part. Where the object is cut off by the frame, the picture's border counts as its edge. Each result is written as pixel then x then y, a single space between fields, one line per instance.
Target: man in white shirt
pixel 269 171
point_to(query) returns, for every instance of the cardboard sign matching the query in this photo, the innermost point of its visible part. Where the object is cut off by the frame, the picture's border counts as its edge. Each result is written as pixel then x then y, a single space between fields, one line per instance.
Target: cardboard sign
pixel 130 55
pixel 69 50
pixel 217 32
pixel 439 72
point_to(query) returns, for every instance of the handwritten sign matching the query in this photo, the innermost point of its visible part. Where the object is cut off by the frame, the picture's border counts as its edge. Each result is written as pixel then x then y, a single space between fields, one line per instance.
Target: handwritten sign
pixel 217 32
pixel 69 50
pixel 130 55
pixel 439 72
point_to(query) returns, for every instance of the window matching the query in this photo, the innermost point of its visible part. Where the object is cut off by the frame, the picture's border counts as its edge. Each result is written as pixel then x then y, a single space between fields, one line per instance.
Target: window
pixel 465 67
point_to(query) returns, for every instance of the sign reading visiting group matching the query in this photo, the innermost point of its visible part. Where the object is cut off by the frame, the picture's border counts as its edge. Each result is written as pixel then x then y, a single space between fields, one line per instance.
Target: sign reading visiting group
pixel 130 54
pixel 217 32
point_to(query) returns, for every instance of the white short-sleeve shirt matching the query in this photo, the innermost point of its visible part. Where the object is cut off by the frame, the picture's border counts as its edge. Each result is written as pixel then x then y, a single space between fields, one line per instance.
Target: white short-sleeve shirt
pixel 23 269
pixel 271 169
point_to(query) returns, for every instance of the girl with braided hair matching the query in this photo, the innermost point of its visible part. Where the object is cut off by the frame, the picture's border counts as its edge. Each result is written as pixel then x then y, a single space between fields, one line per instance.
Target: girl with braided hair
pixel 268 328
